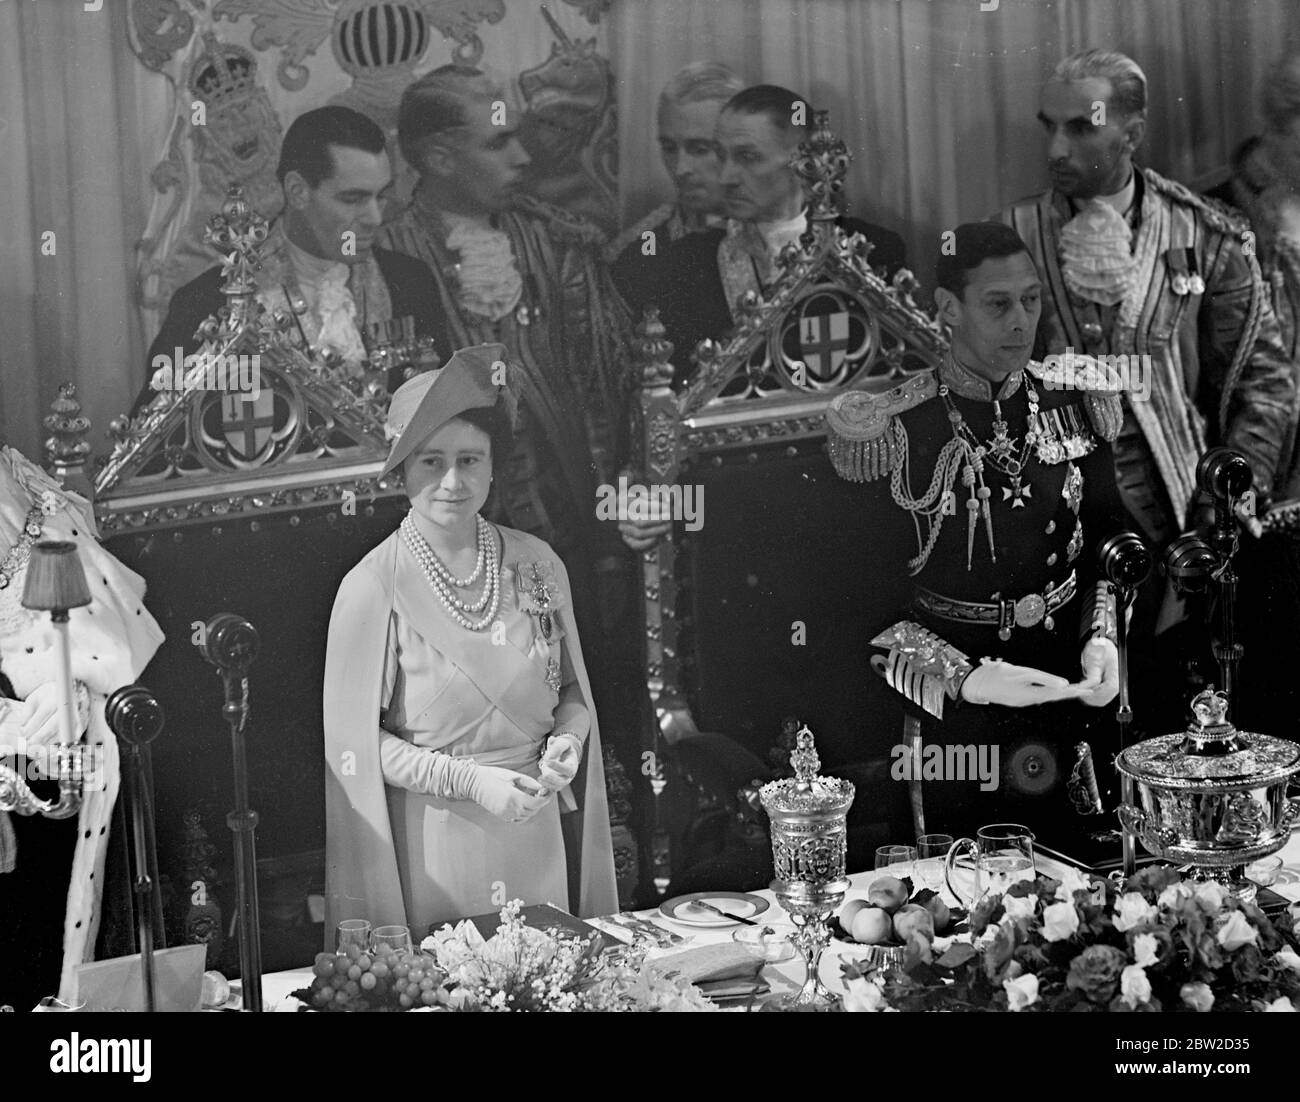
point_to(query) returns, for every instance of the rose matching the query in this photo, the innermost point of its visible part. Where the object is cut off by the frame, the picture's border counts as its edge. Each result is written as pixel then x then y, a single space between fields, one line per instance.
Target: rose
pixel 1209 952
pixel 1021 991
pixel 1269 937
pixel 1280 1005
pixel 861 996
pixel 1072 880
pixel 1020 907
pixel 1155 879
pixel 1145 950
pixel 986 911
pixel 1289 958
pixel 1131 909
pixel 1236 932
pixel 1134 987
pixel 1247 964
pixel 1172 897
pixel 1060 921
pixel 1095 971
pixel 1210 896
pixel 998 953
pixel 1197 995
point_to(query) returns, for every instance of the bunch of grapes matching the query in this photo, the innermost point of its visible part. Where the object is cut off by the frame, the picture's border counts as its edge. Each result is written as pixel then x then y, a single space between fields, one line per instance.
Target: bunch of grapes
pixel 382 980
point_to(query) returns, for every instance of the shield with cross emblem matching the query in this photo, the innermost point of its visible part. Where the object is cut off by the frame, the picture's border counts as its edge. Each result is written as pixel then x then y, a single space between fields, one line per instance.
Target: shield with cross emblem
pixel 246 423
pixel 823 337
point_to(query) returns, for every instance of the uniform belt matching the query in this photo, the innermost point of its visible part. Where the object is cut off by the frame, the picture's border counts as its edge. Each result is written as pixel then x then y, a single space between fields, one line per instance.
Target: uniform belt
pixel 1027 612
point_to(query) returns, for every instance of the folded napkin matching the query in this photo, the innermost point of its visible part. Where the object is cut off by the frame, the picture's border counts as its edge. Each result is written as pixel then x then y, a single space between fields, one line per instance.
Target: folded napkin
pixel 711 964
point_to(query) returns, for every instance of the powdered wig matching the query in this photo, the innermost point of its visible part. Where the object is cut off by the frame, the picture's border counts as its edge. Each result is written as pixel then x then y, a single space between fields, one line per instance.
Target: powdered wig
pixel 700 82
pixel 434 108
pixel 1127 81
pixel 1280 100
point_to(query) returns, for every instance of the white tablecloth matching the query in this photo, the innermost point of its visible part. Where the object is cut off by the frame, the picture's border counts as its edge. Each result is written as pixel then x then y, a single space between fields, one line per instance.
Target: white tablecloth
pixel 787 976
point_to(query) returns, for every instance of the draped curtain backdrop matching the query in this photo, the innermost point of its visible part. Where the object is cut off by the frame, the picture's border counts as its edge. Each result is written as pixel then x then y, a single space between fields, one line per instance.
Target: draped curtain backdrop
pixel 76 122
pixel 935 99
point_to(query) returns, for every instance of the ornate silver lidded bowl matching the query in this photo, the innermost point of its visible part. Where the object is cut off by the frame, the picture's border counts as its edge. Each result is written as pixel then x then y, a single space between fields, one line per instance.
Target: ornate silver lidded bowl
pixel 1212 796
pixel 808 815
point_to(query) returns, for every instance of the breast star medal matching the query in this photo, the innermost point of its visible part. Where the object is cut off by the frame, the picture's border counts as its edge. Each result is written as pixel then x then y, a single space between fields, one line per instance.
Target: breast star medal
pixel 535 581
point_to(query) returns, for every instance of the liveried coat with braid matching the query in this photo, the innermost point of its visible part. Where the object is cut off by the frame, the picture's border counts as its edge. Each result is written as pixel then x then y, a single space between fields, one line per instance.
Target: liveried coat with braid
pixel 1218 372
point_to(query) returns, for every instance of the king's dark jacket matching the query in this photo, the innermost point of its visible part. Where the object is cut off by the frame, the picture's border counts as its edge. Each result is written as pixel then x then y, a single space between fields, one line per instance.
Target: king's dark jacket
pixel 1072 505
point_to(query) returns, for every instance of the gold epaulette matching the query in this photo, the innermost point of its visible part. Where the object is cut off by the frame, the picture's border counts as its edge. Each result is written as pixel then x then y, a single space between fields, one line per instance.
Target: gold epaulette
pixel 1099 385
pixel 859 427
pixel 1219 215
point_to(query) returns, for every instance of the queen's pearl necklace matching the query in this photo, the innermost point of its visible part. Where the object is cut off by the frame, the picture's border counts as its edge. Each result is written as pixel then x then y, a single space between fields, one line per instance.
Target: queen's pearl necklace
pixel 442 580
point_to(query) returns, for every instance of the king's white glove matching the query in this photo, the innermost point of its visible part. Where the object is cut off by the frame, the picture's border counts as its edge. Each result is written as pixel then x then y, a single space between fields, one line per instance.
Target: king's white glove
pixel 996 682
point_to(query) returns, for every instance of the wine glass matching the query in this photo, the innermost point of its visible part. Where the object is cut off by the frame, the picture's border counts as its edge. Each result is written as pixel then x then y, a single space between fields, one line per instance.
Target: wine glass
pixel 353 931
pixel 931 851
pixel 397 938
pixel 899 861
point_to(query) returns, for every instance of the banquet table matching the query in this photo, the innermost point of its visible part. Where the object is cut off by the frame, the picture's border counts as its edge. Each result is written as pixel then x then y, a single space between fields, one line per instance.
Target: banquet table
pixel 786 977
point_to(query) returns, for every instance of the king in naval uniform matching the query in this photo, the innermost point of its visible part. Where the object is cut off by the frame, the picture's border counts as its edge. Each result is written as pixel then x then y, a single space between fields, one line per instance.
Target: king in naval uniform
pixel 990 483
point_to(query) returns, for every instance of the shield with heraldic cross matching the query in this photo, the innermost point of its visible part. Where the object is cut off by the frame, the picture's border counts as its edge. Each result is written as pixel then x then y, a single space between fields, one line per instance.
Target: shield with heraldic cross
pixel 823 337
pixel 246 423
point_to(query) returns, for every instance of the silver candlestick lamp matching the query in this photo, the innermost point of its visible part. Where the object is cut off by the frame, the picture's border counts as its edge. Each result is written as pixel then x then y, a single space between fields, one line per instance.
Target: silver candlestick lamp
pixel 55 584
pixel 809 842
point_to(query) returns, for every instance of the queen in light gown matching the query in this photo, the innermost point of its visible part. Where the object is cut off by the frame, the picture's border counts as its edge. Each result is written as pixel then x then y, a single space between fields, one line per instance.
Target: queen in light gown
pixel 458 728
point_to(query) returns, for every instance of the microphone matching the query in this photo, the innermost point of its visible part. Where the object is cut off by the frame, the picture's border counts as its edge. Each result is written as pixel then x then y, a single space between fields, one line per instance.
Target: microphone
pixel 1226 476
pixel 136 718
pixel 1223 473
pixel 134 715
pixel 1124 560
pixel 230 643
pixel 1190 563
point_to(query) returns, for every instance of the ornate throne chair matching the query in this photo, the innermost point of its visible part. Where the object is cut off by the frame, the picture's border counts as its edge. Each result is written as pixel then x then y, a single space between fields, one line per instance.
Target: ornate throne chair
pixel 749 620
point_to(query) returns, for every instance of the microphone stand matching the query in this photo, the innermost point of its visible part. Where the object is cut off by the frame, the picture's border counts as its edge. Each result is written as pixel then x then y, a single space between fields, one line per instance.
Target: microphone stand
pixel 1125 562
pixel 231 644
pixel 136 718
pixel 1227 476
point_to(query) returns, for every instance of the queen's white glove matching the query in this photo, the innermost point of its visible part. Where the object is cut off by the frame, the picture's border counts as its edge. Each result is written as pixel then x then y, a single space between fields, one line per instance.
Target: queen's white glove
pixel 560 760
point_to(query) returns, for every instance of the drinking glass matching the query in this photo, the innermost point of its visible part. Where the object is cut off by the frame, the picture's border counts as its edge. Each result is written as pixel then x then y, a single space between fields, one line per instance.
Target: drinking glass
pixel 899 861
pixel 397 938
pixel 931 851
pixel 353 931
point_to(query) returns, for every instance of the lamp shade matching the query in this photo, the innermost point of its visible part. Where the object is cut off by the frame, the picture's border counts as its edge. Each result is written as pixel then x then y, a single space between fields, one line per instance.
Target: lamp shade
pixel 55 579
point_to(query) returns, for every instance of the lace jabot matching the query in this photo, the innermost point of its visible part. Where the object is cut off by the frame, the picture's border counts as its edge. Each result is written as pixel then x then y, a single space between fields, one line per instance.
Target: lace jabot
pixel 489 278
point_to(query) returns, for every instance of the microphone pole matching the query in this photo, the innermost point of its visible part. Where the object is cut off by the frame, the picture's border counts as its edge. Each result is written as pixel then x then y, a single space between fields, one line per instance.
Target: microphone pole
pixel 231 644
pixel 136 718
pixel 1125 563
pixel 1226 476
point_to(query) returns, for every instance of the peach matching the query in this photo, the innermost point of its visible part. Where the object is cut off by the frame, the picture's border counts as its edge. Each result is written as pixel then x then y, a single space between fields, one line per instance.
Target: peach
pixel 851 908
pixel 871 926
pixel 913 919
pixel 939 912
pixel 888 892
